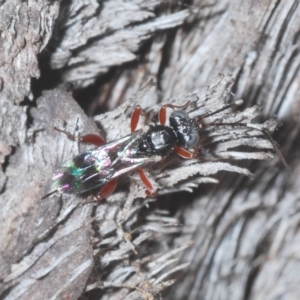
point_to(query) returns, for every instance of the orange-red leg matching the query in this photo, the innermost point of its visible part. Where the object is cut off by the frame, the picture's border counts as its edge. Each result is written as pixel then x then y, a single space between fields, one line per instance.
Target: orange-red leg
pixel 93 139
pixel 162 112
pixel 135 117
pixel 144 178
pixel 185 153
pixel 108 189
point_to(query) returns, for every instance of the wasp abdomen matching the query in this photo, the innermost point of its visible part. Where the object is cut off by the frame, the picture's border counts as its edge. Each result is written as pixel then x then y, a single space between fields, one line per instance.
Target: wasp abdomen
pixel 79 175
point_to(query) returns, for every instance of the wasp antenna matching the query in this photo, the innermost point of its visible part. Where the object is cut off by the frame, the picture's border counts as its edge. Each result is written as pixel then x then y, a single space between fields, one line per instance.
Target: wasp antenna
pixel 146 88
pixel 50 194
pixel 266 134
pixel 233 105
pixel 276 149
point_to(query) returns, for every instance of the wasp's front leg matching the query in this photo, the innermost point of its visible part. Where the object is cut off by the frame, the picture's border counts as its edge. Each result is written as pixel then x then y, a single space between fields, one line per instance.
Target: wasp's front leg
pixel 162 112
pixel 185 153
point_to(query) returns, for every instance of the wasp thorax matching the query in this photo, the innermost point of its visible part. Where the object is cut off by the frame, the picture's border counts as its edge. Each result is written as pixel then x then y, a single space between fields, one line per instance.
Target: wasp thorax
pixel 186 130
pixel 159 140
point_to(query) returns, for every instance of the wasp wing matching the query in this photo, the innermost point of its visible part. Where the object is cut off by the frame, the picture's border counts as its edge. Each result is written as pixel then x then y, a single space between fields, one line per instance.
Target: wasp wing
pixel 94 168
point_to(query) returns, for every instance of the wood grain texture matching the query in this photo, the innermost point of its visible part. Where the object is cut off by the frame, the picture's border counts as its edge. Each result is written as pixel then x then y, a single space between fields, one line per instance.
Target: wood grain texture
pixel 245 232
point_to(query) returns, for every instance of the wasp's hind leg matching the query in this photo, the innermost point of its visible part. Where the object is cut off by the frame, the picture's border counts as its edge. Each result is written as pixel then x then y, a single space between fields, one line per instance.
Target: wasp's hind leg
pixel 93 139
pixel 107 190
pixel 162 112
pixel 150 191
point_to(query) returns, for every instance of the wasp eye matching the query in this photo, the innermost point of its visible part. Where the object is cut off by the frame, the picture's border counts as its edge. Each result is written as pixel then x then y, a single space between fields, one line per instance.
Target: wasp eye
pixel 187 133
pixel 192 139
pixel 180 114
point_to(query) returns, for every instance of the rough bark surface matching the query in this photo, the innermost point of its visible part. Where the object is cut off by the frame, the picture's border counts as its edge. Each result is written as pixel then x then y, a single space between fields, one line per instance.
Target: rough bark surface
pixel 235 238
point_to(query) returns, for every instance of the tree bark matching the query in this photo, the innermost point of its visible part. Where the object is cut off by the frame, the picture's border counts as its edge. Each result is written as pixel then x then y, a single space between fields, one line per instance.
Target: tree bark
pixel 235 239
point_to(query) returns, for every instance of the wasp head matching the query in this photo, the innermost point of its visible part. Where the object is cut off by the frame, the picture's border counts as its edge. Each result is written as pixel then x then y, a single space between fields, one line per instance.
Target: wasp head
pixel 185 128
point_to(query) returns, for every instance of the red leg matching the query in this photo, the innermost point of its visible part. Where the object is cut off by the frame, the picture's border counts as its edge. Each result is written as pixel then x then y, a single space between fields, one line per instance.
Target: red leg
pixel 185 153
pixel 135 118
pixel 93 139
pixel 149 187
pixel 162 112
pixel 108 189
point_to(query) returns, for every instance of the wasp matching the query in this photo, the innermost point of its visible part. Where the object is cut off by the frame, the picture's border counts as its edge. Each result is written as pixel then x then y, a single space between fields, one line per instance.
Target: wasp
pixel 102 167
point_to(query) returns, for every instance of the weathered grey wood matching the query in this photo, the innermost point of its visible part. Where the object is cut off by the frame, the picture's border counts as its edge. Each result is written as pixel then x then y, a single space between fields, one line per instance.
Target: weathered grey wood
pixel 25 30
pixel 40 237
pixel 244 232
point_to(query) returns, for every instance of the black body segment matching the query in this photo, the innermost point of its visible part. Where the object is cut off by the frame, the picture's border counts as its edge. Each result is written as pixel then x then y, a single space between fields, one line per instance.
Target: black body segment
pixel 186 129
pixel 159 140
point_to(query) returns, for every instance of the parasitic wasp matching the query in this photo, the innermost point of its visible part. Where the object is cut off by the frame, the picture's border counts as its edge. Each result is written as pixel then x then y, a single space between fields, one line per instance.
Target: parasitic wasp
pixel 102 167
